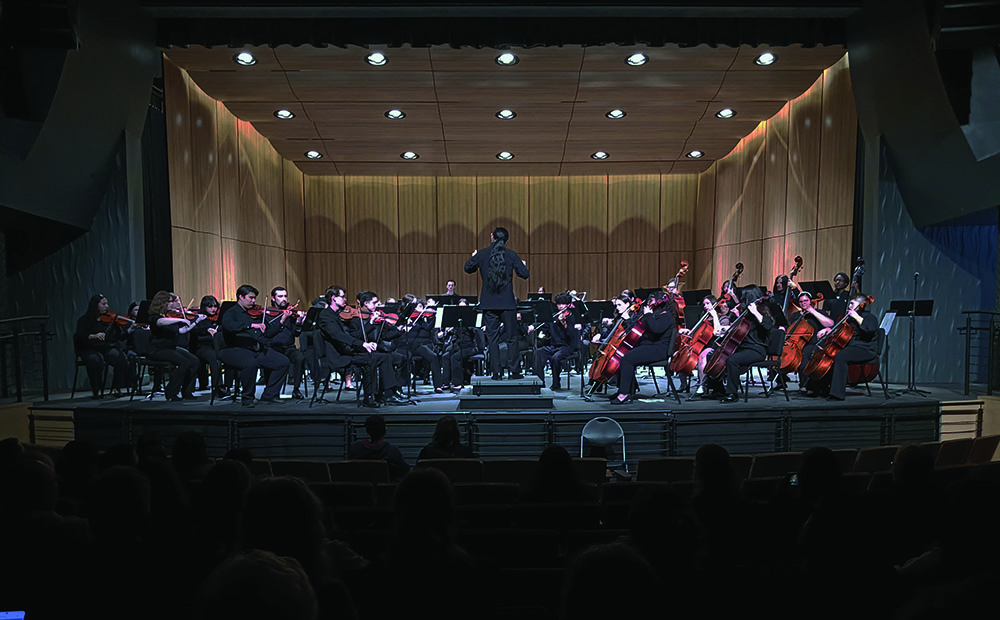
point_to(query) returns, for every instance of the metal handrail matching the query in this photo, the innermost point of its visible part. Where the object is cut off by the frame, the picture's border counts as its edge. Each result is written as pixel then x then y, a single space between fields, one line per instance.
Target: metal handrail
pixel 14 336
pixel 967 330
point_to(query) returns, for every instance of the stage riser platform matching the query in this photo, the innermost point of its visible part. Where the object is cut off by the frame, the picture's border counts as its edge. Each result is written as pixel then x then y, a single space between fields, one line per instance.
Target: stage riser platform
pixel 307 434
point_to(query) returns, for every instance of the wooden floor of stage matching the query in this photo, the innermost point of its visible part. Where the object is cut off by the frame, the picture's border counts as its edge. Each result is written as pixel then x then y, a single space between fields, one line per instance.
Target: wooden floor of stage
pixel 518 426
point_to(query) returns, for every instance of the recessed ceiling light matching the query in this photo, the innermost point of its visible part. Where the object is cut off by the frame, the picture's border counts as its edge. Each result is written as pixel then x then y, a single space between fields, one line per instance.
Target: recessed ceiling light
pixel 615 114
pixel 599 155
pixel 507 59
pixel 505 155
pixel 314 155
pixel 395 114
pixel 245 58
pixel 695 154
pixel 376 59
pixel 409 155
pixel 506 115
pixel 765 59
pixel 726 113
pixel 284 114
pixel 636 60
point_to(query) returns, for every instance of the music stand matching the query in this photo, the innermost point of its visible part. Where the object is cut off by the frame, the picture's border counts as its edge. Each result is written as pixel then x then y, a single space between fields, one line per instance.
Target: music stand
pixel 469 299
pixel 818 287
pixel 543 310
pixel 444 300
pixel 643 293
pixel 913 309
pixel 456 316
pixel 142 315
pixel 598 310
pixel 539 296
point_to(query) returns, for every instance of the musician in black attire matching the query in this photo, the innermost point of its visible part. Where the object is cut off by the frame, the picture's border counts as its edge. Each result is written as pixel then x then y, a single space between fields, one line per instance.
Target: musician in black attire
pixel 377 329
pixel 461 345
pixel 497 265
pixel 836 306
pixel 863 347
pixel 775 304
pixel 564 341
pixel 99 344
pixel 344 349
pixel 819 321
pixel 420 340
pixel 246 350
pixel 753 348
pixel 165 344
pixel 201 342
pixel 282 330
pixel 659 321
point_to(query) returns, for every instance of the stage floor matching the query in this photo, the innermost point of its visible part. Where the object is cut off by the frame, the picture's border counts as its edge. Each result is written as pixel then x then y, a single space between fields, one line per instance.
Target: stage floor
pixel 522 425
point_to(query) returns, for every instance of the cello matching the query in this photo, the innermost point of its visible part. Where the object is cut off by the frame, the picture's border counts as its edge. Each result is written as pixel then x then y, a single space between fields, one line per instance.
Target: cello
pixel 827 349
pixel 738 330
pixel 620 342
pixel 796 268
pixel 799 333
pixel 686 358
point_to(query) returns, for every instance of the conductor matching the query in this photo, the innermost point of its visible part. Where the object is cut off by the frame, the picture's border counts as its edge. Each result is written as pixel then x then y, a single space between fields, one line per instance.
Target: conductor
pixel 496 265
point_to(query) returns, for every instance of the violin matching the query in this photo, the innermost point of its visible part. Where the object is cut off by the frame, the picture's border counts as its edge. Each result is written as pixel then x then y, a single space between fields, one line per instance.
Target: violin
pixel 416 314
pixel 115 319
pixel 183 313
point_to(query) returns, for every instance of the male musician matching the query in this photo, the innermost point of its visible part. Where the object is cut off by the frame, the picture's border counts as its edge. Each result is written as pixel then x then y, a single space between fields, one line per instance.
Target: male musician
pixel 863 347
pixel 564 341
pixel 246 349
pixel 450 288
pixel 376 329
pixel 497 265
pixel 282 330
pixel 344 349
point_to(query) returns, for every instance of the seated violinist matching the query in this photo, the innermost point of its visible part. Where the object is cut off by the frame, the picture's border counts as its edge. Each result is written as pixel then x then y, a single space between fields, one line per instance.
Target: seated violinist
pixel 564 341
pixel 167 322
pixel 460 345
pixel 201 342
pixel 375 325
pixel 99 341
pixel 344 349
pixel 656 344
pixel 284 324
pixel 420 341
pixel 243 333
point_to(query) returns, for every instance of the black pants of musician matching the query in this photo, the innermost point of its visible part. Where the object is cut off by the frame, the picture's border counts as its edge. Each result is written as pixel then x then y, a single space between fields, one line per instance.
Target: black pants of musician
pixel 208 357
pixel 805 383
pixel 185 371
pixel 296 361
pixel 501 326
pixel 737 362
pixel 836 379
pixel 453 368
pixel 375 365
pixel 249 362
pixel 555 356
pixel 124 373
pixel 433 360
pixel 645 353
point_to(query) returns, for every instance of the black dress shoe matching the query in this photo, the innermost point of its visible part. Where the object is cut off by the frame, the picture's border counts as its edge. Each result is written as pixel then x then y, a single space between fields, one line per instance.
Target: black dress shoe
pixel 496 377
pixel 369 403
pixel 621 401
pixel 730 398
pixel 271 401
pixel 831 397
pixel 189 397
pixel 248 403
pixel 174 398
pixel 516 375
pixel 297 395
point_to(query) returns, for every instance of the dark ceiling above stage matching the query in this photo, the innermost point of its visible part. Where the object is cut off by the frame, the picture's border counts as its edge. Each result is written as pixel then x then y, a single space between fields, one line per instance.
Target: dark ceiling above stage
pixel 441 73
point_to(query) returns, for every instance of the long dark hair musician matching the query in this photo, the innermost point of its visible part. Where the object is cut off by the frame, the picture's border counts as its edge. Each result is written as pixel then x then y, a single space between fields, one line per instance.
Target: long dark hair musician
pixel 658 327
pixel 99 344
pixel 497 265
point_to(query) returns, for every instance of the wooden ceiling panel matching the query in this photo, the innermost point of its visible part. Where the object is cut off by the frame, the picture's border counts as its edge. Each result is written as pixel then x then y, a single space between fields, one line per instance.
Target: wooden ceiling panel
pixel 486 150
pixel 792 57
pixel 351 58
pixel 198 58
pixel 780 86
pixel 489 87
pixel 362 86
pixel 263 111
pixel 283 130
pixel 641 110
pixel 384 150
pixel 615 131
pixel 318 168
pixel 380 131
pixel 668 57
pixel 470 59
pixel 624 150
pixel 504 169
pixel 615 168
pixel 403 168
pixel 329 112
pixel 236 85
pixel 651 86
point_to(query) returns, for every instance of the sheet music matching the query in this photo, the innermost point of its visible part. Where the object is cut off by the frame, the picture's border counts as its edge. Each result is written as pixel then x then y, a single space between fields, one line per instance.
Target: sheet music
pixel 887 320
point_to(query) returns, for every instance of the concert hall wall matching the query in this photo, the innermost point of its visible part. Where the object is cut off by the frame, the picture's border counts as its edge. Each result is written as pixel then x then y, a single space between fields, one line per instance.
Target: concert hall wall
pixel 241 214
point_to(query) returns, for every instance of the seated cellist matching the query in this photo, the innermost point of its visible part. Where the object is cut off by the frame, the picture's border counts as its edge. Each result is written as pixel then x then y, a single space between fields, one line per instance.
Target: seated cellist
pixel 656 344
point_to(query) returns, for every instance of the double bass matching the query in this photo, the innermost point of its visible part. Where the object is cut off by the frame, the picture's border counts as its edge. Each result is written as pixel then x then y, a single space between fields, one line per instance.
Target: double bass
pixel 686 358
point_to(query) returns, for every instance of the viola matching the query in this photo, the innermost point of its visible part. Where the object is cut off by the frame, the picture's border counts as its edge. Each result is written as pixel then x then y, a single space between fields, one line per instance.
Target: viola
pixel 833 343
pixel 738 331
pixel 799 333
pixel 115 319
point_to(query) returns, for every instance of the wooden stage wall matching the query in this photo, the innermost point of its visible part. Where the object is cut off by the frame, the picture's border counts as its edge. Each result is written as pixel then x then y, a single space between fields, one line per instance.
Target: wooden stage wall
pixel 241 214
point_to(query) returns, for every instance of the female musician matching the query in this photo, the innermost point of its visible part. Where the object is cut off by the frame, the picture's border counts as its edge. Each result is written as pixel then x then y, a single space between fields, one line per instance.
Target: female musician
pixel 861 348
pixel 420 340
pixel 777 300
pixel 201 342
pixel 656 344
pixel 720 323
pixel 753 348
pixel 164 345
pixel 836 305
pixel 819 321
pixel 100 343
